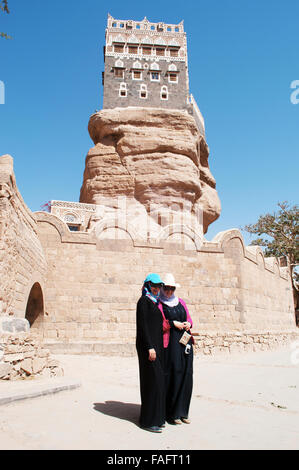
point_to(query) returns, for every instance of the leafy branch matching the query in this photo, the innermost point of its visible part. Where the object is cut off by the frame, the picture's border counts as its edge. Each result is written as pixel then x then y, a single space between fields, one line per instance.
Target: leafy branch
pixel 282 233
pixel 4 8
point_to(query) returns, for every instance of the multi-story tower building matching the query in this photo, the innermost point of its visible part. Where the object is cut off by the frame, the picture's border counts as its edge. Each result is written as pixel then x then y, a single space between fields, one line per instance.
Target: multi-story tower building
pixel 146 64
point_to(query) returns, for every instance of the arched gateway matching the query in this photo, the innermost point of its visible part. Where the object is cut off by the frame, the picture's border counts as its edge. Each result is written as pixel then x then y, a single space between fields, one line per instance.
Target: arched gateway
pixel 35 306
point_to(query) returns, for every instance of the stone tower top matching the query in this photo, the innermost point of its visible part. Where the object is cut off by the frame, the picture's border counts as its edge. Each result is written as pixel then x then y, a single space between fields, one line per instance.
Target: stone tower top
pixel 144 25
pixel 146 65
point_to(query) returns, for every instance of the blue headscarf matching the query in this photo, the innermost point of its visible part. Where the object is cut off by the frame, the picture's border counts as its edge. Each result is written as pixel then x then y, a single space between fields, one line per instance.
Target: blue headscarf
pixel 146 291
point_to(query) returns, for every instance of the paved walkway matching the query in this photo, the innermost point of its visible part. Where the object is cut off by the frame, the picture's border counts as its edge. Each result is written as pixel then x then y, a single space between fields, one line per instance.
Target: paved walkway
pixel 247 401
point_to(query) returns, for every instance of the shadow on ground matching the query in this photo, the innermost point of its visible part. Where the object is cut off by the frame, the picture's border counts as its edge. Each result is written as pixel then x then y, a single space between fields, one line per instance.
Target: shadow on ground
pixel 118 409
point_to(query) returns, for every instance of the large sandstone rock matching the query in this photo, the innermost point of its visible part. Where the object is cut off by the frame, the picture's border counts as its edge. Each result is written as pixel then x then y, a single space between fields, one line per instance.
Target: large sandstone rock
pixel 157 159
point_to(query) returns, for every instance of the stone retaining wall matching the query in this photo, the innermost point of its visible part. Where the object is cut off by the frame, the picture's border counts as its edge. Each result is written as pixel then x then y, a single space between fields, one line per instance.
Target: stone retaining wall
pixel 239 342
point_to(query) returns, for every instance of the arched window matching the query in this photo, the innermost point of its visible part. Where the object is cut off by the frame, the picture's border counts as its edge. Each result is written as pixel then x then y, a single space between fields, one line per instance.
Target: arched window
pixel 35 306
pixel 172 74
pixel 123 90
pixel 119 69
pixel 119 63
pixel 172 68
pixel 155 72
pixel 143 91
pixel 164 93
pixel 137 71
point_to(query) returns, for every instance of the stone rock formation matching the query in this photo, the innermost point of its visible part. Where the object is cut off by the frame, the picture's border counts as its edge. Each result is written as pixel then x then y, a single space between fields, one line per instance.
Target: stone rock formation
pixel 157 159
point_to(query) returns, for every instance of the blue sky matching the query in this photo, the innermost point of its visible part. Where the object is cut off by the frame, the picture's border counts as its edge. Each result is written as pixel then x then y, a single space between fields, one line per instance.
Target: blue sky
pixel 243 57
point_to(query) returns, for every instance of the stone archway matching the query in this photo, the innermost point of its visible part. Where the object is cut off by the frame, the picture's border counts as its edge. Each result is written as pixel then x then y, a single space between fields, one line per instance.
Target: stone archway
pixel 35 306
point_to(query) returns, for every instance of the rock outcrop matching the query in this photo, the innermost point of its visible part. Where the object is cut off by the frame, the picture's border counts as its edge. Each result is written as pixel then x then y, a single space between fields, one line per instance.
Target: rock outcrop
pixel 157 159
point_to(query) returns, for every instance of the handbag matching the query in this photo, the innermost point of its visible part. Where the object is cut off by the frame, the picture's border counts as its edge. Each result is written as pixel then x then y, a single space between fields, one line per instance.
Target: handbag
pixel 185 338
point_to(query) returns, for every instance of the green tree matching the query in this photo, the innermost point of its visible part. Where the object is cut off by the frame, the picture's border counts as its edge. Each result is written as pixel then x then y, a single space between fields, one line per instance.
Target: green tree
pixel 4 9
pixel 278 233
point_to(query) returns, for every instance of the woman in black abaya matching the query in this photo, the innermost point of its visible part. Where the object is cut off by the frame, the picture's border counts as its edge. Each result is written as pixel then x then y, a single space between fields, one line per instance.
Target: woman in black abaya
pixel 179 357
pixel 149 345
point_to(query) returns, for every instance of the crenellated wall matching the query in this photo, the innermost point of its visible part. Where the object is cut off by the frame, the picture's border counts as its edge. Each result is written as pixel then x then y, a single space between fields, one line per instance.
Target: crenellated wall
pixel 94 283
pixel 78 290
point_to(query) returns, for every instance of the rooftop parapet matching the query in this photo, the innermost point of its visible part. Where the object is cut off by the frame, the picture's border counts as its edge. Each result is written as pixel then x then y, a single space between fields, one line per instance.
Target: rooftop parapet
pixel 144 25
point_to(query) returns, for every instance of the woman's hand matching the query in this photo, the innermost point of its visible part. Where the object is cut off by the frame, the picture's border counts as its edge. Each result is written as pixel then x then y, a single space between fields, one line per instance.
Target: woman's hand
pixel 179 325
pixel 152 355
pixel 187 325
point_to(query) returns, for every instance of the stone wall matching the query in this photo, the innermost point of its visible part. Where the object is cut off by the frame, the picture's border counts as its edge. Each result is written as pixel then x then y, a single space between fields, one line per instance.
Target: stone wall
pixel 22 262
pixel 238 342
pixel 177 96
pixel 79 290
pixel 93 286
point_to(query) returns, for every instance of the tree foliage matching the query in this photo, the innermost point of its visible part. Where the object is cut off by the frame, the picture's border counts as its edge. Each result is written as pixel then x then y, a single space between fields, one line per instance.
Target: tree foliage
pixel 279 233
pixel 4 9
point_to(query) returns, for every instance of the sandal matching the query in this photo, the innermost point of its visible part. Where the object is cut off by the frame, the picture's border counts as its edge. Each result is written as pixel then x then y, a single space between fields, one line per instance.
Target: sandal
pixel 186 420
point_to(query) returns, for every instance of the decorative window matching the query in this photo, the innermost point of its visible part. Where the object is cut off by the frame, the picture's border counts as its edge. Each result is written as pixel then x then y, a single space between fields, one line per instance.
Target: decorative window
pixel 176 29
pixel 70 218
pixel 146 50
pixel 160 51
pixel 173 77
pixel 143 91
pixel 155 66
pixel 121 25
pixel 164 93
pixel 114 25
pixel 133 40
pixel 174 52
pixel 119 69
pixel 119 63
pixel 133 49
pixel 136 75
pixel 153 27
pixel 160 41
pixel 118 73
pixel 118 48
pixel 137 65
pixel 155 76
pixel 137 26
pixel 174 43
pixel 168 28
pixel 123 90
pixel 74 228
pixel 119 38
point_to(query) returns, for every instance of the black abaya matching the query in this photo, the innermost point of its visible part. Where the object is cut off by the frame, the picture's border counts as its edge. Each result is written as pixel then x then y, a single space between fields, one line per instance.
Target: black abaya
pixel 149 324
pixel 179 367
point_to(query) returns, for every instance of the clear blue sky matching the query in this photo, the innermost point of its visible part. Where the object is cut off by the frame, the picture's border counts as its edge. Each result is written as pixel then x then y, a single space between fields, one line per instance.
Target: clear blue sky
pixel 243 56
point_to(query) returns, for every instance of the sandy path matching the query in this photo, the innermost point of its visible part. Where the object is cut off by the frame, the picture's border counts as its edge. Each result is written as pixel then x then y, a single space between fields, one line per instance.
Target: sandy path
pixel 248 401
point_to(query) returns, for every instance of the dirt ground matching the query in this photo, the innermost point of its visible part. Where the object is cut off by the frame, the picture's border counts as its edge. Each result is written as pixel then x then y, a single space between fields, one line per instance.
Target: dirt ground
pixel 247 401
